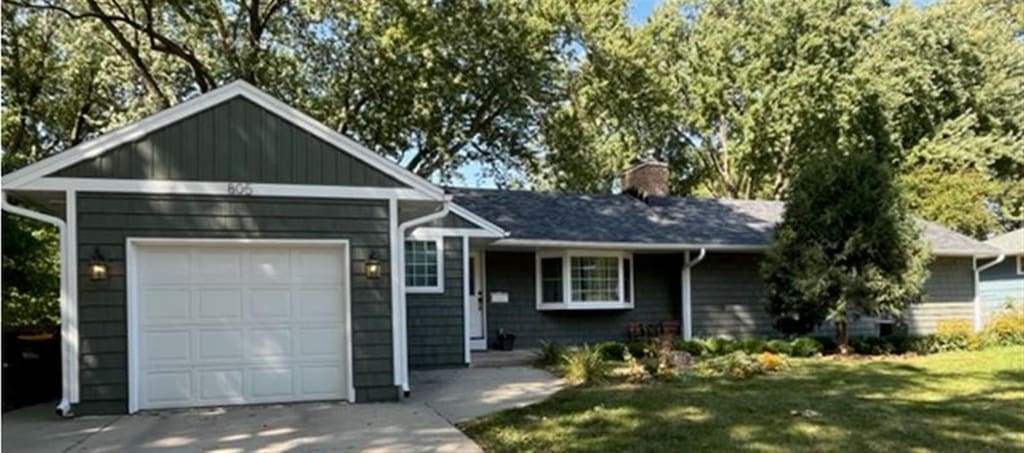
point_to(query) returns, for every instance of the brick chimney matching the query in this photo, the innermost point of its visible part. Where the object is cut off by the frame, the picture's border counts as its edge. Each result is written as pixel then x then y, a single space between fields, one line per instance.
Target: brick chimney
pixel 645 178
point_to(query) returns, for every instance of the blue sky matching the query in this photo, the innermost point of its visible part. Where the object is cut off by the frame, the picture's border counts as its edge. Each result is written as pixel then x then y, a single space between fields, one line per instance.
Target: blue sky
pixel 638 11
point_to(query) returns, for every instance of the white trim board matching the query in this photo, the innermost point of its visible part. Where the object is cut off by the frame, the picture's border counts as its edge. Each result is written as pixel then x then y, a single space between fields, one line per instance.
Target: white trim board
pixel 131 290
pixel 19 178
pixel 155 186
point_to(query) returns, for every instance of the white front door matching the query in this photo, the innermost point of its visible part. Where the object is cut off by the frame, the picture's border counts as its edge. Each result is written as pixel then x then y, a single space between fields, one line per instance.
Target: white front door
pixel 477 332
pixel 224 323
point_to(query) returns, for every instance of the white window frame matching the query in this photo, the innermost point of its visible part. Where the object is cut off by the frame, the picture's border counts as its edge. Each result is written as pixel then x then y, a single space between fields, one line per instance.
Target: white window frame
pixel 434 289
pixel 567 302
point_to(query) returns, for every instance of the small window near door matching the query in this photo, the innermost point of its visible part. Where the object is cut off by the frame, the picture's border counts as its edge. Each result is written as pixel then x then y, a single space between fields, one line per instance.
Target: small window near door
pixel 423 266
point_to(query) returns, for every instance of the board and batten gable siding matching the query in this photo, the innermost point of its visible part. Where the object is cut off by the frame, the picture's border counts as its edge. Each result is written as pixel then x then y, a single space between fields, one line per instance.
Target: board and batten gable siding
pixel 236 141
pixel 657 299
pixel 1000 284
pixel 437 335
pixel 106 220
pixel 728 298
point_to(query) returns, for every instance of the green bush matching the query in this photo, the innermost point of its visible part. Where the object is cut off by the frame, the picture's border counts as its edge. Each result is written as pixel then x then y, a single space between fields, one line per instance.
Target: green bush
pixel 693 347
pixel 584 366
pixel 955 335
pixel 921 344
pixel 754 345
pixel 741 365
pixel 550 353
pixel 828 344
pixel 779 347
pixel 638 348
pixel 721 346
pixel 804 347
pixel 612 350
pixel 1005 328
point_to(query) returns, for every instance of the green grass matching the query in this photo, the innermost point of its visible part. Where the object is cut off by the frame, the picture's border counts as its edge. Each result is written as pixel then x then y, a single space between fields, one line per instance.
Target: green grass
pixel 958 401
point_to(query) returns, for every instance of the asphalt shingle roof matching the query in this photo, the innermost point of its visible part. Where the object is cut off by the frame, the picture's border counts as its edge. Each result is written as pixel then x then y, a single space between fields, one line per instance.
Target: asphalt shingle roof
pixel 622 218
pixel 1011 243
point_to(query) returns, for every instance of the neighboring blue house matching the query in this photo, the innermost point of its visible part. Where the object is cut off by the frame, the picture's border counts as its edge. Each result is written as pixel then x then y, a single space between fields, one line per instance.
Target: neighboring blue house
pixel 1004 281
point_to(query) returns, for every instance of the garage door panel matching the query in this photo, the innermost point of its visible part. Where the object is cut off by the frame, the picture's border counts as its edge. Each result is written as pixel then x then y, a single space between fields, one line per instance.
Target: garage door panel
pixel 218 345
pixel 320 303
pixel 237 324
pixel 166 305
pixel 167 346
pixel 321 380
pixel 317 267
pixel 270 343
pixel 223 304
pixel 163 388
pixel 165 267
pixel 272 382
pixel 270 304
pixel 217 266
pixel 320 342
pixel 270 267
pixel 221 386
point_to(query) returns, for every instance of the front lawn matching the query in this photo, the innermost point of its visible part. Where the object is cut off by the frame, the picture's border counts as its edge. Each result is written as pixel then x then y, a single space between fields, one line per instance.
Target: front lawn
pixel 957 401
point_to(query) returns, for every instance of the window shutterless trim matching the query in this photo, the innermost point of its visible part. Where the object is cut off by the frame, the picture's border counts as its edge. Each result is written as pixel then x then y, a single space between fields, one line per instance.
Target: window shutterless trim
pixel 567 302
pixel 439 262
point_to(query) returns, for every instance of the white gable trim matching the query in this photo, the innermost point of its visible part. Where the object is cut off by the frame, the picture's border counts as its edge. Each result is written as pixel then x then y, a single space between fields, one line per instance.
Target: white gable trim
pixel 481 222
pixel 19 178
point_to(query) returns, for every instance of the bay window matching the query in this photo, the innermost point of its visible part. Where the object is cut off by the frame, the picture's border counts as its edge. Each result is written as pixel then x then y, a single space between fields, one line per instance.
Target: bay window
pixel 584 280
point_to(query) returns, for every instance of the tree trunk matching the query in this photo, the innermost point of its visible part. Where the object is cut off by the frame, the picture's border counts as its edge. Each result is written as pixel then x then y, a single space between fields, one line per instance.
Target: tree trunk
pixel 842 338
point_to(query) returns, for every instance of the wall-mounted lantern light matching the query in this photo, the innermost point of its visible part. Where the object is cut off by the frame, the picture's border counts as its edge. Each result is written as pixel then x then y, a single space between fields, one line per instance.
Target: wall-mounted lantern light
pixel 372 266
pixel 98 266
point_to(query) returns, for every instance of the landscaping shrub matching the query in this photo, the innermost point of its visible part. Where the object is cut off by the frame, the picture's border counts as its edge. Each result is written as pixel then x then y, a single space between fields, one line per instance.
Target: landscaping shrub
pixel 638 348
pixel 1005 328
pixel 754 346
pixel 741 365
pixel 636 372
pixel 550 353
pixel 778 347
pixel 693 347
pixel 721 346
pixel 771 362
pixel 584 366
pixel 612 350
pixel 828 344
pixel 804 347
pixel 924 344
pixel 955 335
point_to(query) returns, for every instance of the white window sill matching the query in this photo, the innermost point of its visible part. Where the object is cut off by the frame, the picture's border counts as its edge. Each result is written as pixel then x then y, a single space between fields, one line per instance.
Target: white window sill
pixel 585 306
pixel 424 289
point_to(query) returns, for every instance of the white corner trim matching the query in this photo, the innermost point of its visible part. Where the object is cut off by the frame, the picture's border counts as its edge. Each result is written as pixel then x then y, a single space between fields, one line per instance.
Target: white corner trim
pixel 110 140
pixel 687 278
pixel 71 220
pixel 132 288
pixel 397 278
pixel 439 260
pixel 154 186
pixel 466 298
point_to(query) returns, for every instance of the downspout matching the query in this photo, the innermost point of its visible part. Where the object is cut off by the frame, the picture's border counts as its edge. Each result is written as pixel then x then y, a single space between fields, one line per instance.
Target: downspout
pixel 64 406
pixel 403 336
pixel 687 310
pixel 977 283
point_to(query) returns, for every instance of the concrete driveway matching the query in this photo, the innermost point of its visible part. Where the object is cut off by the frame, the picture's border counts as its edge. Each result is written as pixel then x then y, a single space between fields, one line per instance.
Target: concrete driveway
pixel 422 423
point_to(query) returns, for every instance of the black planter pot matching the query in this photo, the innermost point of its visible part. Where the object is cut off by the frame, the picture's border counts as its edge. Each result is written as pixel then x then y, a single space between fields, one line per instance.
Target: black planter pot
pixel 505 341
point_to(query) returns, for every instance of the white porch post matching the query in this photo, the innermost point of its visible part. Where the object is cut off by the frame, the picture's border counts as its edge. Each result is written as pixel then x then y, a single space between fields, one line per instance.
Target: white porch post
pixel 687 320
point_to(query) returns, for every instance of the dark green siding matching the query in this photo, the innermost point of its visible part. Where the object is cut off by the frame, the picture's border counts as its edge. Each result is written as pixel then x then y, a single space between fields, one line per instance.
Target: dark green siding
pixel 657 299
pixel 233 141
pixel 728 298
pixel 106 220
pixel 436 321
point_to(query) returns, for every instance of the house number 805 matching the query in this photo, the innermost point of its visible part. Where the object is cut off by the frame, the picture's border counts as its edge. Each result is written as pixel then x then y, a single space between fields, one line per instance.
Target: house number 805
pixel 239 188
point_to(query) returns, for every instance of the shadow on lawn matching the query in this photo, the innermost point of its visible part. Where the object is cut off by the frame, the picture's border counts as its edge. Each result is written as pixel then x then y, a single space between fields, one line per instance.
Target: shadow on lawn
pixel 874 406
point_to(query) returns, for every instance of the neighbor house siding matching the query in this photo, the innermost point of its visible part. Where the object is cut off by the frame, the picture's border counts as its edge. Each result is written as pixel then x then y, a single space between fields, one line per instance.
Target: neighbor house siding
pixel 729 300
pixel 949 295
pixel 437 335
pixel 657 299
pixel 106 220
pixel 233 141
pixel 999 284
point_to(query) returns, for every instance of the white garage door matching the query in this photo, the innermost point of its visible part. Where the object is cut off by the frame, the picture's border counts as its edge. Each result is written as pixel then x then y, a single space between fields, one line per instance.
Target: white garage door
pixel 240 323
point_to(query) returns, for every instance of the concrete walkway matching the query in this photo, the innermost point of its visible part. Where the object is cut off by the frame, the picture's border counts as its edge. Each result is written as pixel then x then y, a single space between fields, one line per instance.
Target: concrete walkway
pixel 422 423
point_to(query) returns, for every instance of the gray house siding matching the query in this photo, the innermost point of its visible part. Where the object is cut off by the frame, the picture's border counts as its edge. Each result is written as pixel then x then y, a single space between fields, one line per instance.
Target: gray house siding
pixel 106 220
pixel 728 298
pixel 436 321
pixel 999 284
pixel 233 141
pixel 657 299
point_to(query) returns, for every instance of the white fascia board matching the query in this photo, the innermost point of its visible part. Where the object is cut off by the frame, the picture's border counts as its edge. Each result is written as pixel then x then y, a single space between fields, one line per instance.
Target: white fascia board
pixel 108 141
pixel 478 221
pixel 433 232
pixel 154 186
pixel 674 247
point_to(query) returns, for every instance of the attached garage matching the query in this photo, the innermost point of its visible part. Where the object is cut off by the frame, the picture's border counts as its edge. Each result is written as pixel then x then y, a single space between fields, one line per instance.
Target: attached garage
pixel 237 322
